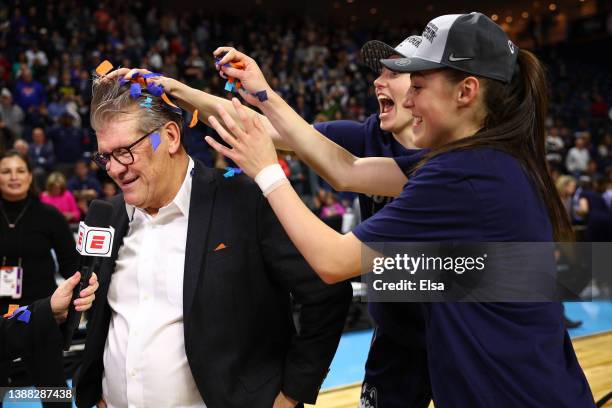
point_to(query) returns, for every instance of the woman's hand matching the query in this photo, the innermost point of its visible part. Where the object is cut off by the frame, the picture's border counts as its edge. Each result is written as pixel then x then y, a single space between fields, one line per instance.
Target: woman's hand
pixel 252 148
pixel 60 300
pixel 252 78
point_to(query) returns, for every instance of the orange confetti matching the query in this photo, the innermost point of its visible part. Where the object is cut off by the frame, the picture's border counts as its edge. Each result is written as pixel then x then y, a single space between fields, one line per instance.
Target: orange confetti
pixel 142 81
pixel 238 65
pixel 167 100
pixel 194 119
pixel 11 309
pixel 104 68
pixel 220 247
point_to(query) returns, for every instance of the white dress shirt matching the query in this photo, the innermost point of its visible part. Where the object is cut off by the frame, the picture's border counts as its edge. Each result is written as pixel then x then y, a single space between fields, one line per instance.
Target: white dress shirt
pixel 145 364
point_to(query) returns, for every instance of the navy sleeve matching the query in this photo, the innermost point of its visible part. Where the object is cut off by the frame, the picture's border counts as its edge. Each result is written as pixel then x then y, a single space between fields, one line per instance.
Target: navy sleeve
pixel 408 161
pixel 437 204
pixel 346 133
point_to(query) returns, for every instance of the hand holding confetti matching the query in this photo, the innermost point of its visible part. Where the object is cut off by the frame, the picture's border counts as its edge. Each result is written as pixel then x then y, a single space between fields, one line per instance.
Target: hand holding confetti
pixel 237 66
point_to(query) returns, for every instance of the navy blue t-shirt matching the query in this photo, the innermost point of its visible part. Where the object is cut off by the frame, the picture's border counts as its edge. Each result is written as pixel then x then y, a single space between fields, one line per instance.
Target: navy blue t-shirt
pixel 365 139
pixel 483 354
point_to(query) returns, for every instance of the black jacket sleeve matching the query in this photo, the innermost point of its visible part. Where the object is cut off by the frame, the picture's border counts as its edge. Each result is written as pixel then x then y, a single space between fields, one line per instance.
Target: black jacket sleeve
pixel 323 309
pixel 18 338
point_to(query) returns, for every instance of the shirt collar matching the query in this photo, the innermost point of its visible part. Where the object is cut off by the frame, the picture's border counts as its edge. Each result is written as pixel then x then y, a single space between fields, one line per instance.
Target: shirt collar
pixel 181 200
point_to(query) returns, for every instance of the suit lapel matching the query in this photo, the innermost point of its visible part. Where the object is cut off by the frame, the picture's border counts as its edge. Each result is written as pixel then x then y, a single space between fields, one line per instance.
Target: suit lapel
pixel 200 215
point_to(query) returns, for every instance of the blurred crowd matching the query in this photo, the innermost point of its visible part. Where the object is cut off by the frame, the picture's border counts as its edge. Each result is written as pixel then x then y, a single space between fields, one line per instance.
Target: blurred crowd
pixel 49 49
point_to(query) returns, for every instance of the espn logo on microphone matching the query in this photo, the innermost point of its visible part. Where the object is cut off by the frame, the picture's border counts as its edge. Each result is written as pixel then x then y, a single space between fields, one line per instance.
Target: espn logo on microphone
pixel 95 241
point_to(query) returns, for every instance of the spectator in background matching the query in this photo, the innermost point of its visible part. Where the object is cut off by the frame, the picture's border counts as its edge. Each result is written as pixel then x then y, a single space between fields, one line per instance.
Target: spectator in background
pixel 37 59
pixel 21 146
pixel 331 206
pixel 296 177
pixel 57 195
pixel 29 93
pixel 566 186
pixel 84 186
pixel 555 148
pixel 592 169
pixel 11 115
pixel 84 183
pixel 41 156
pixel 68 142
pixel 578 157
pixel 593 208
pixel 109 190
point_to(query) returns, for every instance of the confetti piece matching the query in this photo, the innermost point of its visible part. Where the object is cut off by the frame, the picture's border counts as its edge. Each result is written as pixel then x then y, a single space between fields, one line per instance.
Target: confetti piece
pixel 123 81
pixel 155 140
pixel 151 75
pixel 220 247
pixel 135 91
pixel 238 65
pixel 25 316
pixel 167 100
pixel 261 95
pixel 11 309
pixel 194 119
pixel 104 68
pixel 191 172
pixel 231 172
pixel 146 103
pixel 155 90
pixel 229 86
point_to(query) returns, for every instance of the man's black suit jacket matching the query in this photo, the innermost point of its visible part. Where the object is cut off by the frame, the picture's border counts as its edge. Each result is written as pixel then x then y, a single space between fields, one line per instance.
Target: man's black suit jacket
pixel 240 339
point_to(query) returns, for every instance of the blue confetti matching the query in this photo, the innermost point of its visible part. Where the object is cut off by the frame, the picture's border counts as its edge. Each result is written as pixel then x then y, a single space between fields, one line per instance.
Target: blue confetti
pixel 22 314
pixel 135 91
pixel 155 140
pixel 231 172
pixel 123 81
pixel 155 90
pixel 151 75
pixel 191 172
pixel 229 87
pixel 146 103
pixel 25 316
pixel 261 95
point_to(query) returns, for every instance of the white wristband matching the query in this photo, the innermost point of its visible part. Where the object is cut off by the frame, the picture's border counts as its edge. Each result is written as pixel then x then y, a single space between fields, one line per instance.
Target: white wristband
pixel 271 177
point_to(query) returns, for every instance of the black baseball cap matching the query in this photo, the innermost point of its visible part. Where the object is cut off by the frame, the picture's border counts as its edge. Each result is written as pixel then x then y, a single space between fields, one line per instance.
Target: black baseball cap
pixel 373 51
pixel 472 43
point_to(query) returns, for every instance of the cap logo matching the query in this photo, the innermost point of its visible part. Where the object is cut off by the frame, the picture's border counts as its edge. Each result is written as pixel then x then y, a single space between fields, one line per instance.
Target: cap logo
pixel 402 62
pixel 430 32
pixel 511 46
pixel 452 58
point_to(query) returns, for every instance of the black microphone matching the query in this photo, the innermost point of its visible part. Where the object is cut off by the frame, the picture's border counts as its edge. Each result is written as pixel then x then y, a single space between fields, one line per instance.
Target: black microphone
pixel 94 240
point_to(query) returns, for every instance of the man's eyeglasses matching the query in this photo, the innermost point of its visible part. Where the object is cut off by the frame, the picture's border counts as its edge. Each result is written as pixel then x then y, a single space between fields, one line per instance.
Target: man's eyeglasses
pixel 123 155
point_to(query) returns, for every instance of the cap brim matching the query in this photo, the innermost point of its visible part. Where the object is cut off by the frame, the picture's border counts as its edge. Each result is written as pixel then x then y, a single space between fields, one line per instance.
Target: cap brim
pixel 412 64
pixel 373 51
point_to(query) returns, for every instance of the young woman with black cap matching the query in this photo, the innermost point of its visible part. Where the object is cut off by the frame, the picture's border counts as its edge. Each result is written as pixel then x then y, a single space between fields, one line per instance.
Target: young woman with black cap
pixel 479 105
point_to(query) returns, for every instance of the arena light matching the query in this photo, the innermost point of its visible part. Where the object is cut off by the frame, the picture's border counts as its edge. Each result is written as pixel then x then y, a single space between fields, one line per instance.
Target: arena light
pixel 525 14
pixel 552 6
pixel 494 17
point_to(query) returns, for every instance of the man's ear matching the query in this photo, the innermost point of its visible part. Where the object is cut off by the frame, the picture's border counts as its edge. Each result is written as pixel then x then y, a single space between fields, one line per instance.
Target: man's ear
pixel 468 91
pixel 174 137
